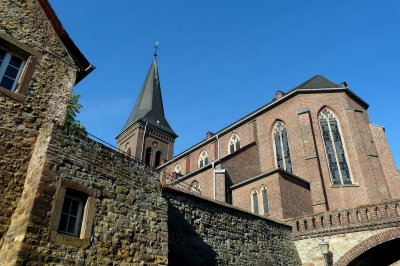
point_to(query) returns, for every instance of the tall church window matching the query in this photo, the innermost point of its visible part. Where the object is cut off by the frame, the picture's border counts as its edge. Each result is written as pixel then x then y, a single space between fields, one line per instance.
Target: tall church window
pixel 203 159
pixel 157 160
pixel 254 201
pixel 282 152
pixel 264 195
pixel 339 170
pixel 234 143
pixel 148 156
pixel 196 187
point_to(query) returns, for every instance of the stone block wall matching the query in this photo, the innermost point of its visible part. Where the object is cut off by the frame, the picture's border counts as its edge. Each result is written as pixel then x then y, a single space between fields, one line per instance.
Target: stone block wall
pixel 25 30
pixel 202 232
pixel 128 215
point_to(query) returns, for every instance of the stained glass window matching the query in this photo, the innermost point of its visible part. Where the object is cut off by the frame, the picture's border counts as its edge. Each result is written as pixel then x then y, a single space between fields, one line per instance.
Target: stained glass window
pixel 234 143
pixel 339 170
pixel 282 151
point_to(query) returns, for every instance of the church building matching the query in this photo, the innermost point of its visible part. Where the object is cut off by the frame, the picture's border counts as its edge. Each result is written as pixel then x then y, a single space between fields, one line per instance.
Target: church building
pixel 311 149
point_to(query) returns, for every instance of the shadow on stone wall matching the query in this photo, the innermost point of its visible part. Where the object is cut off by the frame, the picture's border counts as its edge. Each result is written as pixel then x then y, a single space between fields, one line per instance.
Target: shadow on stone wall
pixel 185 245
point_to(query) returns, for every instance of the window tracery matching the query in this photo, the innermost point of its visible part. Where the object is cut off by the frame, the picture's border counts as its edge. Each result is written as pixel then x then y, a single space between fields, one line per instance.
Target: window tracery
pixel 282 151
pixel 178 169
pixel 196 188
pixel 234 143
pixel 338 167
pixel 203 159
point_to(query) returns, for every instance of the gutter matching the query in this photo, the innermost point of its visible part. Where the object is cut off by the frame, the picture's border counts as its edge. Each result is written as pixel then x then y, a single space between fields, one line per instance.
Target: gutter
pixel 83 65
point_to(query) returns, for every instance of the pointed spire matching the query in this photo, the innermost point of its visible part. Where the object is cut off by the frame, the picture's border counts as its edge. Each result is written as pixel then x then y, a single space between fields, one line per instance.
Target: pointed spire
pixel 149 105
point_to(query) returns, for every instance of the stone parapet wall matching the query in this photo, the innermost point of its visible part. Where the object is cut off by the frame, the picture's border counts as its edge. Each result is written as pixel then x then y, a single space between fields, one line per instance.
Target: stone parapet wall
pixel 372 216
pixel 204 232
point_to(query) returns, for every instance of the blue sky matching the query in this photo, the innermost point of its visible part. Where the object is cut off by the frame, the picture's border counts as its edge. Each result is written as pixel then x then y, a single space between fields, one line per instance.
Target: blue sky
pixel 220 60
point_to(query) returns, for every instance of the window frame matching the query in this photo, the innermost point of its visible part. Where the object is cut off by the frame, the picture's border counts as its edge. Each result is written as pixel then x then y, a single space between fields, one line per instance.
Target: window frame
pixel 203 159
pixel 254 195
pixel 262 190
pixel 195 189
pixel 235 144
pixel 27 53
pixel 4 65
pixel 332 114
pixel 281 146
pixel 81 239
pixel 79 217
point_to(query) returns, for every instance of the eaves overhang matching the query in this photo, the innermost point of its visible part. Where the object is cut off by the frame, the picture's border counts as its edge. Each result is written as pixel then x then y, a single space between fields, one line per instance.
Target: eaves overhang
pixel 259 111
pixel 84 67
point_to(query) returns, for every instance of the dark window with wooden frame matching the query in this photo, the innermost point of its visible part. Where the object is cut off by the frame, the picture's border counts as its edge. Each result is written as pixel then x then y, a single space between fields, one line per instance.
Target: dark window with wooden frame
pixel 72 213
pixel 17 65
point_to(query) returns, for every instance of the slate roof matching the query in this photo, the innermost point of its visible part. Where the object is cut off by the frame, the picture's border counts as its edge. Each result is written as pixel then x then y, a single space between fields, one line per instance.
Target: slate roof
pixel 149 105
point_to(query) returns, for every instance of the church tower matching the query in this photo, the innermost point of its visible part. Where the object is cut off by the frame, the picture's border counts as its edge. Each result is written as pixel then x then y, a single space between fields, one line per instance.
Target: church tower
pixel 147 135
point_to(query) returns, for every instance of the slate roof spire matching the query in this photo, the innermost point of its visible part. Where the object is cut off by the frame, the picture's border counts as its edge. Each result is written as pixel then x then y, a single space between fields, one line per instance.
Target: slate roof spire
pixel 149 105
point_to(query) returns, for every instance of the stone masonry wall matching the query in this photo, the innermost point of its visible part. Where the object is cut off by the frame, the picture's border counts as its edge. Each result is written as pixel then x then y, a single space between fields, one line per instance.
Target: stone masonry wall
pixel 21 116
pixel 202 232
pixel 129 222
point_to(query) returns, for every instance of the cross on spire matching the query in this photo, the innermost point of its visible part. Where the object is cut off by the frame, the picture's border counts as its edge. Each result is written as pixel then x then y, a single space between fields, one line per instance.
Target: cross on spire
pixel 156 48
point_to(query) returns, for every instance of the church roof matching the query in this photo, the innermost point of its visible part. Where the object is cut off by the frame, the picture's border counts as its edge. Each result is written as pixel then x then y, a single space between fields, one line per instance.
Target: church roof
pixel 149 105
pixel 316 82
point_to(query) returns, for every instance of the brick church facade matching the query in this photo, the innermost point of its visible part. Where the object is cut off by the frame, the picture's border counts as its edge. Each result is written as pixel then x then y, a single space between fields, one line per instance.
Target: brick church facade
pixel 257 192
pixel 312 149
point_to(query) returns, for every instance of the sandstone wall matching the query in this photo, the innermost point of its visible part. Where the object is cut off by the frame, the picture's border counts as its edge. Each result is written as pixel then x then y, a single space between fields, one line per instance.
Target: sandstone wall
pixel 129 216
pixel 24 27
pixel 202 232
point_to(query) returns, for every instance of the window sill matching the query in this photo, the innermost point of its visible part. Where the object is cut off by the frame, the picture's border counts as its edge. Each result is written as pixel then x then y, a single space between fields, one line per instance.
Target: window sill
pixel 68 240
pixel 13 95
pixel 350 185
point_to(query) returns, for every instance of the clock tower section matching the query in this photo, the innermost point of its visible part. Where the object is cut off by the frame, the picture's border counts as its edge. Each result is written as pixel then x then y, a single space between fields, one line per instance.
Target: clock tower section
pixel 147 134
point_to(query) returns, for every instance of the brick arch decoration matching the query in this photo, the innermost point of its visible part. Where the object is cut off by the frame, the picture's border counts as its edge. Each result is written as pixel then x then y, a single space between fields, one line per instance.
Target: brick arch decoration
pixel 367 244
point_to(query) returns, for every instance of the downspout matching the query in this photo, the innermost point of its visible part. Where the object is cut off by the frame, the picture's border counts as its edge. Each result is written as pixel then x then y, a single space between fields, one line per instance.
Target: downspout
pixel 144 134
pixel 215 179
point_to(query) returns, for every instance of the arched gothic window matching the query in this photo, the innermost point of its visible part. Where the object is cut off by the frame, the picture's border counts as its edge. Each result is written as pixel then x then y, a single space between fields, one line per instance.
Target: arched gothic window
pixel 148 156
pixel 157 160
pixel 234 143
pixel 196 187
pixel 254 200
pixel 264 195
pixel 178 169
pixel 128 152
pixel 203 159
pixel 282 152
pixel 335 154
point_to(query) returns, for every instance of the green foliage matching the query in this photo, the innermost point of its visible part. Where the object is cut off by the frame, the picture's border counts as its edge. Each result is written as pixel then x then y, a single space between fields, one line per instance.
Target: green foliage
pixel 72 111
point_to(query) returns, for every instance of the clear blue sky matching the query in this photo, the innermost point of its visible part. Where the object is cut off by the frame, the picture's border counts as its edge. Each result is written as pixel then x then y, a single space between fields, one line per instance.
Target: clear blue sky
pixel 220 60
